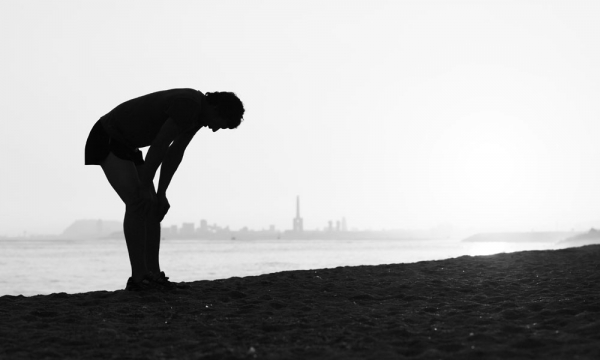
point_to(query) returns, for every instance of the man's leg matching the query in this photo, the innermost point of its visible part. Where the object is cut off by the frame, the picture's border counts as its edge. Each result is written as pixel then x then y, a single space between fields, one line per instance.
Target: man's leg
pixel 153 244
pixel 123 177
pixel 153 238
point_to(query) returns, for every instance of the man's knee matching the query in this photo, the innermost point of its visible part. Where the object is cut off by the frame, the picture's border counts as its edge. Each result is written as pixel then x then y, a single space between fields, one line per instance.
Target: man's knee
pixel 139 208
pixel 142 208
pixel 153 213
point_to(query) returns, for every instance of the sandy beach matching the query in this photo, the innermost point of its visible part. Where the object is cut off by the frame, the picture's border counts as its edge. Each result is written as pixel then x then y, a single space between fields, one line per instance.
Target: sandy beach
pixel 534 304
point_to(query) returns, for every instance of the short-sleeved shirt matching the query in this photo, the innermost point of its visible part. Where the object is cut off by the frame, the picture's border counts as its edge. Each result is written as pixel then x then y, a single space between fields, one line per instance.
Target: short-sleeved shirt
pixel 137 122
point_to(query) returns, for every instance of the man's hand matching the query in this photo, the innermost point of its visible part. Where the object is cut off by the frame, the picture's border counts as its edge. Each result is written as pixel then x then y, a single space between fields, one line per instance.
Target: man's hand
pixel 163 206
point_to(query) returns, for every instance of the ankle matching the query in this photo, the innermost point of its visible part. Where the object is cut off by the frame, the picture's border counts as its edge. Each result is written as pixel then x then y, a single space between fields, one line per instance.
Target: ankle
pixel 154 270
pixel 138 277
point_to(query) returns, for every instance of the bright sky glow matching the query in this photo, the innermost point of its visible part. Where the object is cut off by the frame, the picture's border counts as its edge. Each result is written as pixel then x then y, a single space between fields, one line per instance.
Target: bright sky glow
pixel 394 114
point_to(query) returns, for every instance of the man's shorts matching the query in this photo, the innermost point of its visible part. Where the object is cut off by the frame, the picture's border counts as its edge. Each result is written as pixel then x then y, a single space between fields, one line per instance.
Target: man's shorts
pixel 99 144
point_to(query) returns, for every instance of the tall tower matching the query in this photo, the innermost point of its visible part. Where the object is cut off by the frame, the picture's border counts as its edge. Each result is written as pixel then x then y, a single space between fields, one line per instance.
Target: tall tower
pixel 298 223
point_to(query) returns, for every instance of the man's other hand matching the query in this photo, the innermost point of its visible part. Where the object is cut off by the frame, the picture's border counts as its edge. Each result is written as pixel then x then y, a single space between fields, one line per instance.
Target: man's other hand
pixel 163 206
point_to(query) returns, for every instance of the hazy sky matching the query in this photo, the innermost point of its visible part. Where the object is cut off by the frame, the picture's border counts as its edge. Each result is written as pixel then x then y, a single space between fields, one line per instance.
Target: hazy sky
pixel 394 114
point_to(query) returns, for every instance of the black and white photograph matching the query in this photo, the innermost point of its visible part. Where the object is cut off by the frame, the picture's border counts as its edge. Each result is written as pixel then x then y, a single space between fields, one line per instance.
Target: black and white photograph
pixel 357 179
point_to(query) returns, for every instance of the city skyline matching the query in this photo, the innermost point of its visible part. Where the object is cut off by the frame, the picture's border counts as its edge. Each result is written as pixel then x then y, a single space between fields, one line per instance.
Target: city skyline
pixel 89 228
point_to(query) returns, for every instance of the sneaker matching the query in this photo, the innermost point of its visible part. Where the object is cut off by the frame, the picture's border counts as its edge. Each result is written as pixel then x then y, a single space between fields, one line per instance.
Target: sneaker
pixel 163 281
pixel 144 285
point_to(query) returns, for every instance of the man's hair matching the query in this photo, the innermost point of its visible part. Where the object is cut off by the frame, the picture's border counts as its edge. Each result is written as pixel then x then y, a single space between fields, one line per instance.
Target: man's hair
pixel 229 107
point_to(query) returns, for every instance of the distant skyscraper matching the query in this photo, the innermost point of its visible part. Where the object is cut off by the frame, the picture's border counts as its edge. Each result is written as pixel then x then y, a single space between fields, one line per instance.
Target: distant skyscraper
pixel 298 222
pixel 187 229
pixel 203 225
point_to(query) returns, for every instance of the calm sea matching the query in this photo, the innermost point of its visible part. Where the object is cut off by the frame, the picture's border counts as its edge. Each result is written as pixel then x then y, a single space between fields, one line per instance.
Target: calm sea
pixel 29 267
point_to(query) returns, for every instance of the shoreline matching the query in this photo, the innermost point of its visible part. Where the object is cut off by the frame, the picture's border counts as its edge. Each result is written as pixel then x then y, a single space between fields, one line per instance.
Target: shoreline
pixel 531 304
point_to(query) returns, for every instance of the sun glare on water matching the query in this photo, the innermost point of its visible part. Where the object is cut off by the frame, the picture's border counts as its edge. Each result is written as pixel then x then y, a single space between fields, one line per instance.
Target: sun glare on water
pixel 477 249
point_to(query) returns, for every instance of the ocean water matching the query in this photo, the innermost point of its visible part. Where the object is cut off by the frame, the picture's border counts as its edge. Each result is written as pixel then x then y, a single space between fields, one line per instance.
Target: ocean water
pixel 30 267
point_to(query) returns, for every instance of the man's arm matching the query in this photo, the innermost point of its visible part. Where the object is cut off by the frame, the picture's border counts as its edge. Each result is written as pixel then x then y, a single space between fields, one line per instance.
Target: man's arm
pixel 172 160
pixel 158 151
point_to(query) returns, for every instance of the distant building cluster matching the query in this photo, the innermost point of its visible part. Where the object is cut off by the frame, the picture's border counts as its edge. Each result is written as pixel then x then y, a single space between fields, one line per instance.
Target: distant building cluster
pixel 189 230
pixel 298 223
pixel 206 231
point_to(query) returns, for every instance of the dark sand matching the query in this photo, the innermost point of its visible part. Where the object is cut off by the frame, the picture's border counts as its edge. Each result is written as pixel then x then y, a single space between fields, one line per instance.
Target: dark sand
pixel 536 304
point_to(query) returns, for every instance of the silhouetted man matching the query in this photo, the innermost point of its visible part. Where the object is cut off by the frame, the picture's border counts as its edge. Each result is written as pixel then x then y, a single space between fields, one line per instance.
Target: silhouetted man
pixel 166 121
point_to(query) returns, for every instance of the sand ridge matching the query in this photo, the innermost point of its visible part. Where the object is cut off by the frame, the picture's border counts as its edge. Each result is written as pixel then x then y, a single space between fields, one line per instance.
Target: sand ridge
pixel 535 304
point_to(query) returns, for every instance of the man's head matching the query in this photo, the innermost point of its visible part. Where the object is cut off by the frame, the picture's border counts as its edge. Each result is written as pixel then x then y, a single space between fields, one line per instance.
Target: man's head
pixel 229 109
